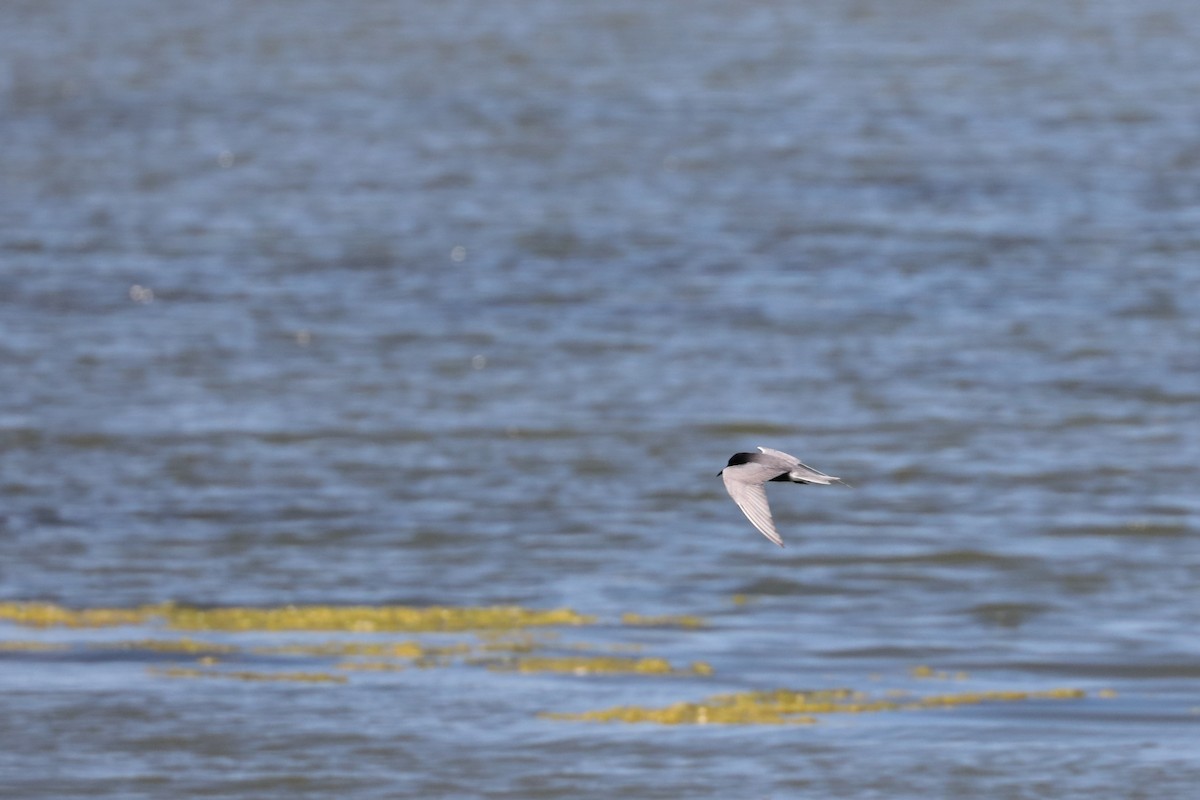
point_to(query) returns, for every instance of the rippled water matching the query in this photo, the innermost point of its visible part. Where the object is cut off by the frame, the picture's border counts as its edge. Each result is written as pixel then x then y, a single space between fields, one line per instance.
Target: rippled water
pixel 465 304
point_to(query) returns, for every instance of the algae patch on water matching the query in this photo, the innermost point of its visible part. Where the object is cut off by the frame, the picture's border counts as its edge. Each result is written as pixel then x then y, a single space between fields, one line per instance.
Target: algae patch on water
pixel 663 620
pixel 405 649
pixel 356 619
pixel 371 619
pixel 32 647
pixel 46 615
pixel 600 665
pixel 790 707
pixel 923 671
pixel 248 675
pixel 507 638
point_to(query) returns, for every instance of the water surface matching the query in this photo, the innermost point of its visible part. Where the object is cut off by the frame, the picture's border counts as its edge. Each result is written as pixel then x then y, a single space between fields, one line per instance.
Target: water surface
pixel 465 304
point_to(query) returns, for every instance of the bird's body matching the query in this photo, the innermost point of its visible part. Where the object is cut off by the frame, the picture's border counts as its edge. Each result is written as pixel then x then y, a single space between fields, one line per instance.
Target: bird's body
pixel 747 474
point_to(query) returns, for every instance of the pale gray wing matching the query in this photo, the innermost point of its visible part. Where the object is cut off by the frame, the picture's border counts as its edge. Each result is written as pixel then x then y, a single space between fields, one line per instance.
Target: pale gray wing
pixel 751 498
pixel 785 459
pixel 803 473
pixel 797 470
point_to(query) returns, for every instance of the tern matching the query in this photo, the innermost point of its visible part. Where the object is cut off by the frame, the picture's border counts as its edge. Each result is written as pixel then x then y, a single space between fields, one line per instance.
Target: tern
pixel 747 474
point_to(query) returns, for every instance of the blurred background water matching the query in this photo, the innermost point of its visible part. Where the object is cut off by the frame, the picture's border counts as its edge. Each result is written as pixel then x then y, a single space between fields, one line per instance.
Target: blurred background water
pixel 467 303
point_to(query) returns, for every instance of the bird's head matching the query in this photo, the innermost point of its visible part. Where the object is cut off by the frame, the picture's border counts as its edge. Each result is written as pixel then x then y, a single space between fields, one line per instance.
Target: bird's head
pixel 736 459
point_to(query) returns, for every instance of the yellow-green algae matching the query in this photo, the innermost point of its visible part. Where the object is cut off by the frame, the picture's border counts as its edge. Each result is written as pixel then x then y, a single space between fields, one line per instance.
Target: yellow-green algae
pixel 925 671
pixel 358 619
pixel 785 706
pixel 591 665
pixel 406 649
pixel 370 666
pixel 369 619
pixel 247 675
pixel 496 650
pixel 515 641
pixel 31 647
pixel 46 615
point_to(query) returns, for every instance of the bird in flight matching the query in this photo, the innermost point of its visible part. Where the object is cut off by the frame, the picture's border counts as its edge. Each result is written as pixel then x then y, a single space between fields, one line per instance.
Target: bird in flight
pixel 747 474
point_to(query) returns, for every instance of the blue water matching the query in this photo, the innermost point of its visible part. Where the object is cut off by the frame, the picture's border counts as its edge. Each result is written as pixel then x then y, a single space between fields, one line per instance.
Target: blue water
pixel 467 303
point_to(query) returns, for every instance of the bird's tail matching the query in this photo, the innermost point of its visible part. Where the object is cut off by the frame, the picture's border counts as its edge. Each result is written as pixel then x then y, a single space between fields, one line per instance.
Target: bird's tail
pixel 820 480
pixel 812 476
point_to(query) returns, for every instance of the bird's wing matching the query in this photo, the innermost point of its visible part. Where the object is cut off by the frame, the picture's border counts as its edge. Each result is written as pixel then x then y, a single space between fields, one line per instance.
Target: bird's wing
pixel 751 498
pixel 803 473
pixel 786 458
pixel 799 471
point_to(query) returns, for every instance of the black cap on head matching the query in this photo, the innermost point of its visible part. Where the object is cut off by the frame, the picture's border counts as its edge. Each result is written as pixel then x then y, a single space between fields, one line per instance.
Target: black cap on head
pixel 741 458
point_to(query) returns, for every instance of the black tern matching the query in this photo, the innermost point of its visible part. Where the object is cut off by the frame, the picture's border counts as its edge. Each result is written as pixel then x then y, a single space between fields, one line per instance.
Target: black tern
pixel 745 477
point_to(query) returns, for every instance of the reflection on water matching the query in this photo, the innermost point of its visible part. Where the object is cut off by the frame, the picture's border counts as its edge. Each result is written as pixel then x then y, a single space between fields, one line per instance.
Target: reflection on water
pixel 360 344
